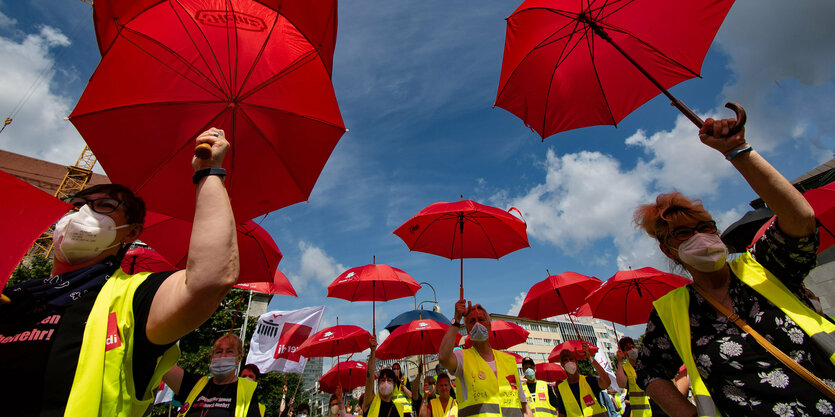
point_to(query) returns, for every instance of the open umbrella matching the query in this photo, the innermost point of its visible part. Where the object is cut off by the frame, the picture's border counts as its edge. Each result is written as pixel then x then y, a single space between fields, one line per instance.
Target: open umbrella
pixel 411 315
pixel 575 346
pixel 334 341
pixel 279 286
pixel 737 237
pixel 31 212
pixel 626 298
pixel 464 229
pixel 518 357
pixel 145 260
pixel 348 374
pixel 373 282
pixel 420 337
pixel 569 64
pixel 503 335
pixel 257 249
pixel 174 69
pixel 551 372
pixel 557 294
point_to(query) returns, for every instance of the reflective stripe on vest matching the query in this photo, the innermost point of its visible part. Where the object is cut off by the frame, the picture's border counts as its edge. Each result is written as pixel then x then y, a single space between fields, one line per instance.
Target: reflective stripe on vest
pixel 103 383
pixel 243 396
pixel 374 409
pixel 539 402
pixel 399 397
pixel 673 309
pixel 439 411
pixel 489 395
pixel 637 397
pixel 569 401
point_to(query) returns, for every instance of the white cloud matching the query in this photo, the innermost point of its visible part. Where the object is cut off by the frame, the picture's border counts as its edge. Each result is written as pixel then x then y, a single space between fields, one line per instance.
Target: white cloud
pixel 316 266
pixel 517 304
pixel 381 336
pixel 6 21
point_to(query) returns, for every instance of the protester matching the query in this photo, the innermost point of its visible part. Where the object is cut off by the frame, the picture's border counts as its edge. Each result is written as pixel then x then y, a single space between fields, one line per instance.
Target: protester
pixel 580 394
pixel 428 389
pixel 402 394
pixel 221 394
pixel 443 405
pixel 71 337
pixel 381 404
pixel 627 356
pixel 487 380
pixel 336 408
pixel 542 399
pixel 251 372
pixel 730 372
pixel 303 410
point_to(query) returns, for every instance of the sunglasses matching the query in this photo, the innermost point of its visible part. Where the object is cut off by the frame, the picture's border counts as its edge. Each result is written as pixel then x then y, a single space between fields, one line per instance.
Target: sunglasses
pixel 683 233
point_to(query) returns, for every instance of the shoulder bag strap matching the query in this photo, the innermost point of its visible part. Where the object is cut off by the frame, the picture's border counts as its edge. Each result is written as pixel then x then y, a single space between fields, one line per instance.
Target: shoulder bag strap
pixel 782 357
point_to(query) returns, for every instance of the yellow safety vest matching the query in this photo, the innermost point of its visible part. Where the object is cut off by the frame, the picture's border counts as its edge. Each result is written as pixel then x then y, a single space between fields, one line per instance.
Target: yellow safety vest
pixel 243 396
pixel 438 410
pixel 490 395
pixel 573 409
pixel 263 409
pixel 103 384
pixel 374 409
pixel 618 403
pixel 399 397
pixel 673 310
pixel 539 403
pixel 637 397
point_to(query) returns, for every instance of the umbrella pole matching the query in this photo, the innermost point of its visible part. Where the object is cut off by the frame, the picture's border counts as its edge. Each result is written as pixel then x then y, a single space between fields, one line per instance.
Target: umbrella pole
pixel 461 223
pixel 374 308
pixel 565 307
pixel 616 330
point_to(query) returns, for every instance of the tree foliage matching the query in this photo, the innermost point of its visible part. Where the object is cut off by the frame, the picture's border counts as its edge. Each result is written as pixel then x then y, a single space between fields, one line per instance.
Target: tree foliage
pixel 33 267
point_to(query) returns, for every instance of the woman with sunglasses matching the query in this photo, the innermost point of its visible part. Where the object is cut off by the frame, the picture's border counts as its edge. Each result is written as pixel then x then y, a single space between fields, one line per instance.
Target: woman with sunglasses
pixel 730 372
pixel 93 340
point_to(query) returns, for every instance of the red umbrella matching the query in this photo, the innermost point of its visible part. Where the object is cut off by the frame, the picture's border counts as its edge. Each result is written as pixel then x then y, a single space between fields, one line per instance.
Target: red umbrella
pixel 503 335
pixel 185 66
pixel 145 260
pixel 626 298
pixel 515 355
pixel 280 286
pixel 571 64
pixel 349 375
pixel 27 213
pixel 557 294
pixel 822 201
pixel 464 229
pixel 575 346
pixel 582 311
pixel 258 251
pixel 420 337
pixel 373 282
pixel 551 372
pixel 334 341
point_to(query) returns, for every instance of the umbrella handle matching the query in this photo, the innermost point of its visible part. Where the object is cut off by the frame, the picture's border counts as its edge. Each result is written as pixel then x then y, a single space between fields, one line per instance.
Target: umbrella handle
pixel 741 117
pixel 203 151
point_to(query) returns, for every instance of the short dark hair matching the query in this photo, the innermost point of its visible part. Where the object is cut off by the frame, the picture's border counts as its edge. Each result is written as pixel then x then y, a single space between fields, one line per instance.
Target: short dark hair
pixel 528 360
pixel 387 373
pixel 134 206
pixel 623 341
pixel 254 369
pixel 303 406
pixel 444 375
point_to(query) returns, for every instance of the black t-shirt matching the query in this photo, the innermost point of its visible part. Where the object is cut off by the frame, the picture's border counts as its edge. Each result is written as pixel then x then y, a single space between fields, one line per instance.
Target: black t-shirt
pixel 213 400
pixel 575 389
pixel 39 349
pixel 387 409
pixel 553 399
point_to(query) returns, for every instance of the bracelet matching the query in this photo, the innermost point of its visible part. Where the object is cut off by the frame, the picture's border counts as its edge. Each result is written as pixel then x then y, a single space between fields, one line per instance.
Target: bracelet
pixel 456 324
pixel 206 172
pixel 736 153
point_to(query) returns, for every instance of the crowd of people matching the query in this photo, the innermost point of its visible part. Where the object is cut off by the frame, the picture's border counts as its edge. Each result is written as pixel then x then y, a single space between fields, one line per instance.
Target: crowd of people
pixel 744 338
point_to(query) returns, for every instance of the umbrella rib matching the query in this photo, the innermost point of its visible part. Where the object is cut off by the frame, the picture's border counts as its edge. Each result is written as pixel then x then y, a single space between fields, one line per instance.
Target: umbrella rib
pixel 324 122
pixel 217 81
pixel 299 62
pixel 656 50
pixel 232 67
pixel 487 236
pixel 316 45
pixel 589 44
pixel 260 51
pixel 426 229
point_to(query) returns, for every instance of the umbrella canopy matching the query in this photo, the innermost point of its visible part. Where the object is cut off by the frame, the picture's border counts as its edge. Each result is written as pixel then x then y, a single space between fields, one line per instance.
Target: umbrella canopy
pixel 257 249
pixel 551 372
pixel 822 201
pixel 738 235
pixel 571 64
pixel 348 374
pixel 503 335
pixel 575 346
pixel 279 286
pixel 419 337
pixel 464 229
pixel 626 298
pixel 557 294
pixel 334 341
pixel 582 311
pixel 411 315
pixel 145 260
pixel 32 212
pixel 189 65
pixel 517 356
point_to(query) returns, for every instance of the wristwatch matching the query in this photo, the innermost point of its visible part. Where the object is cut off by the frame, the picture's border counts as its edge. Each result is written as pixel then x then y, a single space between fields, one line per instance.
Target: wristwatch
pixel 206 172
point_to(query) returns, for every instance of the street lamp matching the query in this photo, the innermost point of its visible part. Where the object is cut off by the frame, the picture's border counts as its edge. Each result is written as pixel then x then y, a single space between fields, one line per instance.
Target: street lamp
pixel 436 308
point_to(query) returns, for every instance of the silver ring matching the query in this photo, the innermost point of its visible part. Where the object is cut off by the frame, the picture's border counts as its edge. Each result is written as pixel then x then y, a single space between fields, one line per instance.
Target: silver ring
pixel 218 133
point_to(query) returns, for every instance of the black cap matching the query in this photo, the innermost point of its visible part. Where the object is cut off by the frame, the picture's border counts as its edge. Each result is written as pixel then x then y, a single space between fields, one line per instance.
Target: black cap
pixel 528 360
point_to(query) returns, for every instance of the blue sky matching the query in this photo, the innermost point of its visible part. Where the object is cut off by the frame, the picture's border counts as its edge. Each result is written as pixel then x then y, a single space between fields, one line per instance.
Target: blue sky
pixel 416 82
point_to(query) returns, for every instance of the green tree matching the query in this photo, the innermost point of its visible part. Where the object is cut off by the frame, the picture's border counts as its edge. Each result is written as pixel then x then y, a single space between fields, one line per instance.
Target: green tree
pixel 34 267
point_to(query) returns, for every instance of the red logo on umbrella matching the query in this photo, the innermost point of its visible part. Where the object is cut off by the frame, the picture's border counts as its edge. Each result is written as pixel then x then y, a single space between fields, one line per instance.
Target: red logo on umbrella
pixel 292 335
pixel 221 18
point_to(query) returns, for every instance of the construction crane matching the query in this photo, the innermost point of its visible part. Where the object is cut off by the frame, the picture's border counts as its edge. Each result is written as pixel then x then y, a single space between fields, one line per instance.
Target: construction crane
pixel 74 181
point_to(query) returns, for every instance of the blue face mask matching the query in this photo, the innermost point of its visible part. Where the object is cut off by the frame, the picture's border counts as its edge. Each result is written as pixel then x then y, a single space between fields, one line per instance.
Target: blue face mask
pixel 530 373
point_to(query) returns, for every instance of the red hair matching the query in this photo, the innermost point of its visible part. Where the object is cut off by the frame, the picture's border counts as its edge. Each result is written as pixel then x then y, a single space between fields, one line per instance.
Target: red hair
pixel 655 218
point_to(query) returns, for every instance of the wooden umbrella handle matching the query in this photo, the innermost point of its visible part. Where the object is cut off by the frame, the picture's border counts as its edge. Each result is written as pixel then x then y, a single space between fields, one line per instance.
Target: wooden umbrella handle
pixel 203 151
pixel 741 117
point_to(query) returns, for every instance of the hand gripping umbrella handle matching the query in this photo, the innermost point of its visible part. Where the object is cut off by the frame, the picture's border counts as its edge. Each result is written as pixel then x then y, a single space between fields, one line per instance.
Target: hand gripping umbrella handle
pixel 203 151
pixel 741 118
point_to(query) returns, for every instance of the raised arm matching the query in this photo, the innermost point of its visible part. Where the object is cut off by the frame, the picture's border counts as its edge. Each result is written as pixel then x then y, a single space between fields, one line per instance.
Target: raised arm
pixel 446 355
pixel 369 375
pixel 415 394
pixel 619 372
pixel 795 216
pixel 174 378
pixel 603 380
pixel 188 297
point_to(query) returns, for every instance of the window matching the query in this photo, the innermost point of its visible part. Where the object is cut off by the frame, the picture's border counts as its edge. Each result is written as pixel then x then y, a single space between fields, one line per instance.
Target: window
pixel 535 327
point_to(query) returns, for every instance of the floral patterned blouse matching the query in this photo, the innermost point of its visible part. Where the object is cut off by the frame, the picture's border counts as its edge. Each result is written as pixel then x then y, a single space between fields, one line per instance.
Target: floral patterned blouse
pixel 742 377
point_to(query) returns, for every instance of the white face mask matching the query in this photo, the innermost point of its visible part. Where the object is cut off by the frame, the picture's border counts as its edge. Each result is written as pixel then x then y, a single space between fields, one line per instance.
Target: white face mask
pixel 479 333
pixel 570 367
pixel 386 388
pixel 632 354
pixel 703 251
pixel 83 235
pixel 223 366
pixel 334 409
pixel 530 374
